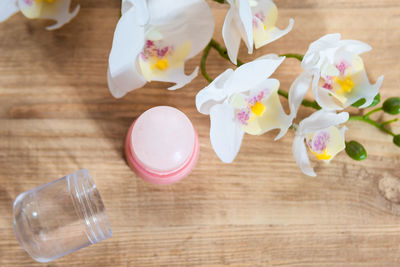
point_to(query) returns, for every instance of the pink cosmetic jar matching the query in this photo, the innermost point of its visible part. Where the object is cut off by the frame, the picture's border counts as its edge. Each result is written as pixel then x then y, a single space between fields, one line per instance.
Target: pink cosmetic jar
pixel 162 145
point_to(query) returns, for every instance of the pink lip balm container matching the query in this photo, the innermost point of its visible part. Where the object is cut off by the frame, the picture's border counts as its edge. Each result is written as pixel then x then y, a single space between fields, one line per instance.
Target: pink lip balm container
pixel 162 145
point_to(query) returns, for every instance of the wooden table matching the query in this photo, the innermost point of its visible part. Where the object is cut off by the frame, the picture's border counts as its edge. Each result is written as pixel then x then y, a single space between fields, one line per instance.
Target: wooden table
pixel 57 116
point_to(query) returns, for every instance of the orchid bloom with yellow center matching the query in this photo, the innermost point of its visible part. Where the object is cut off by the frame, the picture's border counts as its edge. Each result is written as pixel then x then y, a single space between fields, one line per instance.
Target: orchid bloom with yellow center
pixel 243 101
pixel 57 10
pixel 152 41
pixel 337 73
pixel 253 21
pixel 321 134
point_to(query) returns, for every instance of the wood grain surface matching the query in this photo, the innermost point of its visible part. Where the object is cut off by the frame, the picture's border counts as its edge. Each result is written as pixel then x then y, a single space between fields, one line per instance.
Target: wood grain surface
pixel 57 116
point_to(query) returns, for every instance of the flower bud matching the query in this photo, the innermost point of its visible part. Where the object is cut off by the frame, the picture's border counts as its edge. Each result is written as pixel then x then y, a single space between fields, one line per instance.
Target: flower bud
pixel 356 151
pixel 396 140
pixel 392 105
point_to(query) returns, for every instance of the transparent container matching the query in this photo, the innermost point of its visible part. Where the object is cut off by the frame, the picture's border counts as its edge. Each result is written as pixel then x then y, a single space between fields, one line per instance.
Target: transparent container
pixel 60 217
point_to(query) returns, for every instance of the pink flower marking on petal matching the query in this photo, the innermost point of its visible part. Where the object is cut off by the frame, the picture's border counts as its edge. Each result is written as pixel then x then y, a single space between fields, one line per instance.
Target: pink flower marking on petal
pixel 320 141
pixel 260 96
pixel 149 43
pixel 328 83
pixel 259 16
pixel 243 116
pixel 162 52
pixel 151 50
pixel 29 2
pixel 342 67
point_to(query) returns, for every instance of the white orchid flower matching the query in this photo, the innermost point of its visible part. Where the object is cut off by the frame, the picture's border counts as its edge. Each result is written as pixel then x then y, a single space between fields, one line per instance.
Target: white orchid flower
pixel 152 41
pixel 339 77
pixel 243 101
pixel 254 22
pixel 57 10
pixel 323 137
pixel 142 13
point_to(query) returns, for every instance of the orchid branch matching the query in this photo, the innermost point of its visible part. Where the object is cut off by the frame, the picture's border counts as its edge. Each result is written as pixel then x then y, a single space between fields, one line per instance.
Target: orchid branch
pixel 203 63
pixel 306 103
pixel 222 51
pixel 372 112
pixel 380 126
pixel 390 121
pixel 292 55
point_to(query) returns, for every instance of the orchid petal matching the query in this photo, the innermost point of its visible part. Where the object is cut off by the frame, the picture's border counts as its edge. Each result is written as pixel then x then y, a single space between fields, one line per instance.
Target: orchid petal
pixel 301 157
pixel 178 76
pixel 246 27
pixel 354 46
pixel 298 91
pixel 312 56
pixel 173 37
pixel 320 120
pixel 268 36
pixel 322 96
pixel 225 135
pixel 183 21
pixel 127 45
pixel 325 100
pixel 142 12
pixel 46 9
pixel 371 90
pixel 252 74
pixel 273 115
pixel 323 137
pixel 326 143
pixel 168 69
pixel 265 15
pixel 212 94
pixel 171 68
pixel 7 9
pixel 336 142
pixel 350 83
pixel 231 36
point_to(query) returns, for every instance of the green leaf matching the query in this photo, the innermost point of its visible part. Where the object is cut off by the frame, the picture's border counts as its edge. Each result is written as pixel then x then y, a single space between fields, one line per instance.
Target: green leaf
pixel 359 103
pixel 356 151
pixel 362 101
pixel 392 105
pixel 396 140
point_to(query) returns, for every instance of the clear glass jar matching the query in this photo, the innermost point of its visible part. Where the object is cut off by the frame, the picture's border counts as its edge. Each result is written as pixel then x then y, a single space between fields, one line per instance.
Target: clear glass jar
pixel 60 217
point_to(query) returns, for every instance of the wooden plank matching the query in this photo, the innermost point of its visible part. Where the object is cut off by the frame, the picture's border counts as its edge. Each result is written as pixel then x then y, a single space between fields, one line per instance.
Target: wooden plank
pixel 57 116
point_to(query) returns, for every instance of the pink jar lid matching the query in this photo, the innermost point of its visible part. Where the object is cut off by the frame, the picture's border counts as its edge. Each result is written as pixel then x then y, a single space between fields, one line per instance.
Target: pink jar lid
pixel 162 145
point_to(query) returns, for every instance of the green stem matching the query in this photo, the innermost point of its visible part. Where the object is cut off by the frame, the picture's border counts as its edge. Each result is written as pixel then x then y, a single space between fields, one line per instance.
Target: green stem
pixel 372 112
pixel 306 103
pixel 389 122
pixel 222 51
pixel 220 1
pixel 203 63
pixel 292 55
pixel 372 122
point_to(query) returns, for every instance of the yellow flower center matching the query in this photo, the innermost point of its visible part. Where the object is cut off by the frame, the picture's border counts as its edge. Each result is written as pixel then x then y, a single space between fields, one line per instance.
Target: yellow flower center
pixel 346 85
pixel 258 109
pixel 323 156
pixel 161 64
